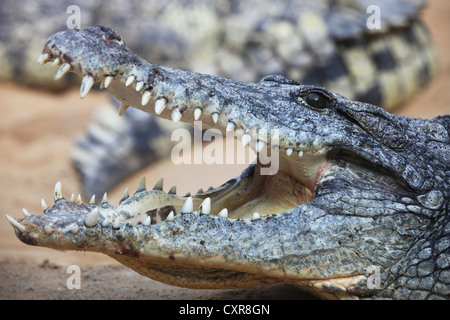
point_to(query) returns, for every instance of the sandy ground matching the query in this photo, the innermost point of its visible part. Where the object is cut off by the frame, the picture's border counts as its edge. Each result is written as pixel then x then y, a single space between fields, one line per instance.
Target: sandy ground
pixel 36 135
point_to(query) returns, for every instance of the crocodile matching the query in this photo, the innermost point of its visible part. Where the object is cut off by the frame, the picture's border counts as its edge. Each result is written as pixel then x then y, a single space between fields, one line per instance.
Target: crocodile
pixel 318 42
pixel 358 195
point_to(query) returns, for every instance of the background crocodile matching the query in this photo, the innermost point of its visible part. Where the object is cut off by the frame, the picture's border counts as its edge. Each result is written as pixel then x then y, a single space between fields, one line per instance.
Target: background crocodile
pixel 371 188
pixel 324 43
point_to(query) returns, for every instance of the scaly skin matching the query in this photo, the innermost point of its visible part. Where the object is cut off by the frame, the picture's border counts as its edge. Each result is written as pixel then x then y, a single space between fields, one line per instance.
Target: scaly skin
pixel 318 42
pixel 356 187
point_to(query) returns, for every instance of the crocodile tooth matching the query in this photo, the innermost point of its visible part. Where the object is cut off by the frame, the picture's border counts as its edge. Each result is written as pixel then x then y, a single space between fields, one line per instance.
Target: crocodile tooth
pixel 139 85
pixel 130 80
pixel 200 191
pixel 57 195
pixel 187 194
pixel 173 190
pixel 16 224
pixel 160 105
pixel 105 198
pixel 116 224
pixel 92 201
pixel 43 58
pixel 107 81
pixel 125 196
pixel 223 213
pixel 72 197
pixel 75 229
pixel 86 85
pixel 79 200
pixel 260 145
pixel 230 126
pixel 239 132
pixel 66 67
pixel 92 218
pixel 44 205
pixel 146 96
pixel 246 138
pixel 215 117
pixel 197 113
pixel 188 206
pixel 56 62
pixel 105 223
pixel 48 229
pixel 147 221
pixel 176 115
pixel 25 212
pixel 300 153
pixel 255 216
pixel 171 216
pixel 141 185
pixel 159 184
pixel 289 151
pixel 122 108
pixel 205 207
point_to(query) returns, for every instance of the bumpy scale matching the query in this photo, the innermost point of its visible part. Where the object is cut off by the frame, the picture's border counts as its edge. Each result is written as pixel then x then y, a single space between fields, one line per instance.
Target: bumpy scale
pixel 368 188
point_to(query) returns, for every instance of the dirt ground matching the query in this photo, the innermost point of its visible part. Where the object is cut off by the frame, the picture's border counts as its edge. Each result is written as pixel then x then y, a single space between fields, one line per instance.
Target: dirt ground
pixel 36 136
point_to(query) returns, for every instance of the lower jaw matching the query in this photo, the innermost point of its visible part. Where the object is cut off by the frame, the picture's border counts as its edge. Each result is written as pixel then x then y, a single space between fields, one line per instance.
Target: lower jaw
pixel 253 193
pixel 248 196
pixel 188 276
pixel 265 195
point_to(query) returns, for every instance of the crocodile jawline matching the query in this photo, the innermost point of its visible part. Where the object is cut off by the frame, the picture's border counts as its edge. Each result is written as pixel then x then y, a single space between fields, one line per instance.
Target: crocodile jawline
pixel 339 203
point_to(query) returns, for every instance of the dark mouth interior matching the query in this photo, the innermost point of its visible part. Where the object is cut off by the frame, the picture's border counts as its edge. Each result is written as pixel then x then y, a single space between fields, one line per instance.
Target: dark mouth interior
pixel 254 192
pixel 290 188
pixel 249 195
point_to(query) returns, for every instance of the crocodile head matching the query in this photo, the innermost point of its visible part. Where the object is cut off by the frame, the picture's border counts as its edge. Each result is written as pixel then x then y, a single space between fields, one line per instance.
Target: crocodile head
pixel 354 189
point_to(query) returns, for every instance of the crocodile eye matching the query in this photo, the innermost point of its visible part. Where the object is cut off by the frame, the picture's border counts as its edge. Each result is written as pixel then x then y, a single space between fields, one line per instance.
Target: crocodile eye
pixel 110 35
pixel 317 100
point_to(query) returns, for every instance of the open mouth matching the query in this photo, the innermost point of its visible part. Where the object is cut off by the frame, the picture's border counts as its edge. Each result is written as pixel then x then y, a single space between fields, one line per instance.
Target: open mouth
pixel 255 194
pixel 264 226
pixel 250 196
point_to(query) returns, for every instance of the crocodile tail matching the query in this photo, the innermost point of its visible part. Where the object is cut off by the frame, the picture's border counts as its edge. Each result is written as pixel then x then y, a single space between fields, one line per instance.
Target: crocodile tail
pixel 115 147
pixel 384 70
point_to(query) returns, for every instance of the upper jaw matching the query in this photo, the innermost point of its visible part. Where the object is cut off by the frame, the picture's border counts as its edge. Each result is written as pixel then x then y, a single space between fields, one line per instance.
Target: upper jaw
pixel 235 108
pixel 249 111
pixel 230 106
pixel 252 112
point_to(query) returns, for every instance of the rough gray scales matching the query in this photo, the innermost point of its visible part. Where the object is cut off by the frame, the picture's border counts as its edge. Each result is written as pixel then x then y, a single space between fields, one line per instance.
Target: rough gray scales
pixel 356 187
pixel 317 42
